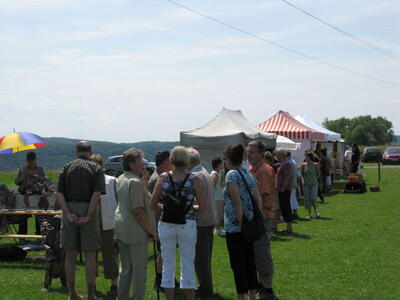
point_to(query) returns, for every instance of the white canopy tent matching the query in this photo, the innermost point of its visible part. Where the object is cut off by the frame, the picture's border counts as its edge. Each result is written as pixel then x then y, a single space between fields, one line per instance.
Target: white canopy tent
pixel 329 135
pixel 285 143
pixel 228 127
pixel 333 142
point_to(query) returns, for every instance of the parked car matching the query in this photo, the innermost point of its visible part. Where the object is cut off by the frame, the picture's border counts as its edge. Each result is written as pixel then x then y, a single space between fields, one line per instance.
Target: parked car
pixel 113 166
pixel 371 154
pixel 391 155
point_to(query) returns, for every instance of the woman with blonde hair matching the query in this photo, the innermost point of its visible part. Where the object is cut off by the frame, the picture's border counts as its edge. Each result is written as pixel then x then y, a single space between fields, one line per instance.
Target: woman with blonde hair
pixel 181 194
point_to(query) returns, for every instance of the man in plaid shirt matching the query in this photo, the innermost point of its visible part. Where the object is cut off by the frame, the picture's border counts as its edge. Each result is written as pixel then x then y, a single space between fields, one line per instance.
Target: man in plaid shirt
pixel 80 184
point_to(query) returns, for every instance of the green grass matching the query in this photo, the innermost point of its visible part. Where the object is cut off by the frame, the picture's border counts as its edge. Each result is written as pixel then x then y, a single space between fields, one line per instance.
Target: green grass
pixel 352 252
pixel 8 178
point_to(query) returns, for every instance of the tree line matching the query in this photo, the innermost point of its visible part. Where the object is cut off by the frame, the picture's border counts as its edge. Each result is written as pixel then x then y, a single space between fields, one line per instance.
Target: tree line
pixel 363 130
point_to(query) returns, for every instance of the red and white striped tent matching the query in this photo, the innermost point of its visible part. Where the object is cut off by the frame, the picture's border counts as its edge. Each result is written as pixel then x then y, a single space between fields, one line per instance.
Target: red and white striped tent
pixel 285 124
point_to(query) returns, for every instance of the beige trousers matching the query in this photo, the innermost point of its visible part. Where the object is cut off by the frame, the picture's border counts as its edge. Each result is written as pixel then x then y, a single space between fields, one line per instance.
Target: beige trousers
pixel 133 272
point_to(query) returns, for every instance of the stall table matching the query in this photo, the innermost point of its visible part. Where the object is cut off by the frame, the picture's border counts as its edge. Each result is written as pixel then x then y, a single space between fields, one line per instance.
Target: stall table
pixel 20 212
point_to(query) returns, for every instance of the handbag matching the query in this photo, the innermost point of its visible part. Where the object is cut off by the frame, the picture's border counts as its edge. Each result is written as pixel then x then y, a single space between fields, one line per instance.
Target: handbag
pixel 252 229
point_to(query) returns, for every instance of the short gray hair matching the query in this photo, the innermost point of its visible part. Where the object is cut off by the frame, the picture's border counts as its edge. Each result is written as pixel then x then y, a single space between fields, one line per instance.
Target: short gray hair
pixel 281 152
pixel 194 156
pixel 259 145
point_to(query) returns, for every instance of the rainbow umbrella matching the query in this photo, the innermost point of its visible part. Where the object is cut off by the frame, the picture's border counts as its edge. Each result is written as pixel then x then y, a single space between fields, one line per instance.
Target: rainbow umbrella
pixel 20 141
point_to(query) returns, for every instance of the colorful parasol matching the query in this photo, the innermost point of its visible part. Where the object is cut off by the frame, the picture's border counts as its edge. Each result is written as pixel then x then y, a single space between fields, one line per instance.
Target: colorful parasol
pixel 20 141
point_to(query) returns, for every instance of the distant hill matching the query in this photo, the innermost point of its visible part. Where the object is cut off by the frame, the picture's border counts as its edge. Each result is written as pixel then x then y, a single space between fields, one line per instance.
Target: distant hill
pixel 61 150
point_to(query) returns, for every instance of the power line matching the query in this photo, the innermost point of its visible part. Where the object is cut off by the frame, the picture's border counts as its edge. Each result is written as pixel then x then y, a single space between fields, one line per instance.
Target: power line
pixel 284 47
pixel 349 35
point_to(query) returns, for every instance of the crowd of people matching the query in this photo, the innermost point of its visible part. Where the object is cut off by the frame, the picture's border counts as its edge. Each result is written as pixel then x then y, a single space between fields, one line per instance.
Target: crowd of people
pixel 181 206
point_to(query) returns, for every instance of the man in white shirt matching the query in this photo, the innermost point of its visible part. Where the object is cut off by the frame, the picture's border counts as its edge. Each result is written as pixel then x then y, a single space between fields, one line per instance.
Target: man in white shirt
pixel 347 160
pixel 206 222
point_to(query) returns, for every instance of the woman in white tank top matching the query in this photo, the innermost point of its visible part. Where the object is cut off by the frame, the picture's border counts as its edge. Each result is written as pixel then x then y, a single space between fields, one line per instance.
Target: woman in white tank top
pixel 218 183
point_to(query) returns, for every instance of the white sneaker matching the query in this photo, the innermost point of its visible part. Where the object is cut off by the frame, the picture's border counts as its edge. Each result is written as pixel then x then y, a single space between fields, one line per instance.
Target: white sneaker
pixel 317 214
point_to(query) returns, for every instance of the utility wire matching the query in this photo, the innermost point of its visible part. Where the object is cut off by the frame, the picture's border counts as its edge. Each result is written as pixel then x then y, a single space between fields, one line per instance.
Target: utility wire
pixel 284 47
pixel 349 35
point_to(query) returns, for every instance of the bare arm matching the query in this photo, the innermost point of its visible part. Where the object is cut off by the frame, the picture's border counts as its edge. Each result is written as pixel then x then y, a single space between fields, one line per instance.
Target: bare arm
pixel 200 197
pixel 153 203
pixel 236 201
pixel 215 180
pixel 61 201
pixel 94 203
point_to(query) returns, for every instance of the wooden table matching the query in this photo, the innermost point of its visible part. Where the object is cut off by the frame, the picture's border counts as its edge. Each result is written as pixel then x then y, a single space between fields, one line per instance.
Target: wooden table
pixel 20 212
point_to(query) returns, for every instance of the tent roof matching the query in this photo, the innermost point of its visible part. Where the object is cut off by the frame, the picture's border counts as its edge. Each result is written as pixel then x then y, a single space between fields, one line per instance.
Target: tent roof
pixel 228 123
pixel 283 123
pixel 286 143
pixel 329 135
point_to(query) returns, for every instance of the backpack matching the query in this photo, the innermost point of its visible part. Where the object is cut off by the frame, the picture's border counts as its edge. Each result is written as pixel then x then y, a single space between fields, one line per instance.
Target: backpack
pixel 174 204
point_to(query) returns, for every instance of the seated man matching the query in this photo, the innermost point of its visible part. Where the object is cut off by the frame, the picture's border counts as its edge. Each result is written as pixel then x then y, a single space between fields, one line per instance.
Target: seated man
pixel 31 178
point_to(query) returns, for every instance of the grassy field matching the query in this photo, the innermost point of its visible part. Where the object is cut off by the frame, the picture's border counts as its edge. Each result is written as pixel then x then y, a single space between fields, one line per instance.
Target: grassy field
pixel 352 252
pixel 8 178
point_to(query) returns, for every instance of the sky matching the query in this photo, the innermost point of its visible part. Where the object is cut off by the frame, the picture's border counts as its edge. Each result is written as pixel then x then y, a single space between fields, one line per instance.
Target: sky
pixel 127 71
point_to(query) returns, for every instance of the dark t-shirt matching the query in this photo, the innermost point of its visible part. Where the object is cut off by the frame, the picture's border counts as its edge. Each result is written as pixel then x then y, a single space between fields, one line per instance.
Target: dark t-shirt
pixel 79 179
pixel 284 171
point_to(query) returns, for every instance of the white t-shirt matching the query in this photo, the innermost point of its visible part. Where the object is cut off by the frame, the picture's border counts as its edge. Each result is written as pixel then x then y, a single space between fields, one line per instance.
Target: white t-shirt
pixel 348 154
pixel 108 203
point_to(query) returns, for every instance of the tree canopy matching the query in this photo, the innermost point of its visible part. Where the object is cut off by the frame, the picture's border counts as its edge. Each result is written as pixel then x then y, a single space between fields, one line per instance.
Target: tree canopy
pixel 363 130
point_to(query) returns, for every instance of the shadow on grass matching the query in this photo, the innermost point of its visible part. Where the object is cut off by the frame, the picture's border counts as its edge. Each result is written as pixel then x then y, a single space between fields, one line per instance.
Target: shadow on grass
pixel 59 290
pixel 324 219
pixel 300 219
pixel 277 238
pixel 300 236
pixel 333 193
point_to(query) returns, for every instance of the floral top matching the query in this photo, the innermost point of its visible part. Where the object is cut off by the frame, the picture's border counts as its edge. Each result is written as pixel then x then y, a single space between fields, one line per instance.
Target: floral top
pixel 231 222
pixel 187 191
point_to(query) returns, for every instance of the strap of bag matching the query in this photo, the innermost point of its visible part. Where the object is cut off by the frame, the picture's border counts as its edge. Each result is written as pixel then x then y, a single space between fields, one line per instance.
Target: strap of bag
pixel 173 183
pixel 256 210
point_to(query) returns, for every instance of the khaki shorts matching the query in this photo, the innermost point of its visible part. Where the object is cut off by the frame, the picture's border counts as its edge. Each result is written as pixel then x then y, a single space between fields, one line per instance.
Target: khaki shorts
pixel 84 237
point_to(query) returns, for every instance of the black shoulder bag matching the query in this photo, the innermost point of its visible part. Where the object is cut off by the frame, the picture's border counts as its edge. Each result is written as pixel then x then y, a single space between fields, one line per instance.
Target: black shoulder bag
pixel 174 204
pixel 252 229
